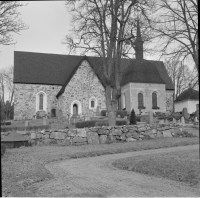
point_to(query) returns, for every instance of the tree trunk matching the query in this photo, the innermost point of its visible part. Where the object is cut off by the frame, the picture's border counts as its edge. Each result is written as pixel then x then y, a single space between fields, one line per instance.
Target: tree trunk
pixel 111 106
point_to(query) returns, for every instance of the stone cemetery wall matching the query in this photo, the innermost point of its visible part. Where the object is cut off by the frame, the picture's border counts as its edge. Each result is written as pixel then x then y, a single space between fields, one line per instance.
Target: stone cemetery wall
pixel 101 135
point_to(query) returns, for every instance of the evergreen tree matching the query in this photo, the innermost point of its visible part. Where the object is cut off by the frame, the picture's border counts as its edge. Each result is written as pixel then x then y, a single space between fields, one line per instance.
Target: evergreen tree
pixel 133 118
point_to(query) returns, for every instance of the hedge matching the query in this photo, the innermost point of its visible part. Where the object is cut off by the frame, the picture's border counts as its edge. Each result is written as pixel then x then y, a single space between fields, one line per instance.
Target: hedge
pixel 122 113
pixel 23 128
pixel 3 149
pixel 93 123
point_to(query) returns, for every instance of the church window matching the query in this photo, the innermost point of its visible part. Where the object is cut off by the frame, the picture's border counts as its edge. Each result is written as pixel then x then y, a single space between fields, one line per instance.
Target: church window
pixel 154 100
pixel 124 101
pixel 41 100
pixel 140 100
pixel 92 103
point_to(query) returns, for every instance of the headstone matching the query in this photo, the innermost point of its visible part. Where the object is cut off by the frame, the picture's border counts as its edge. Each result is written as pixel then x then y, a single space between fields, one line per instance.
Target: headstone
pixel 45 122
pixel 197 107
pixel 98 111
pixel 182 120
pixel 166 121
pixel 185 113
pixel 195 119
pixel 174 121
pixel 150 117
pixel 197 114
pixel 27 123
pixel 161 121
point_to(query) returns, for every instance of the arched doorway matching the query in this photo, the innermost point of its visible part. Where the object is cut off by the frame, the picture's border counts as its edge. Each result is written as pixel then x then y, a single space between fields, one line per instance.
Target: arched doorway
pixel 75 109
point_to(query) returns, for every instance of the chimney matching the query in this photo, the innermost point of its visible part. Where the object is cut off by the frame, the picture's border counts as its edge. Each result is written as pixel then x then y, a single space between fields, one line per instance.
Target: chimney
pixel 139 43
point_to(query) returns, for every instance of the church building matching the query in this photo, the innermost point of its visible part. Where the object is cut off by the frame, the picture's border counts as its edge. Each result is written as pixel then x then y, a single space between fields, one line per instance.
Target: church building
pixel 72 85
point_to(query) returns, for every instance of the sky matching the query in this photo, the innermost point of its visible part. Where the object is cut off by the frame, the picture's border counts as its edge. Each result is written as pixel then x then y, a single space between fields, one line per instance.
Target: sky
pixel 48 23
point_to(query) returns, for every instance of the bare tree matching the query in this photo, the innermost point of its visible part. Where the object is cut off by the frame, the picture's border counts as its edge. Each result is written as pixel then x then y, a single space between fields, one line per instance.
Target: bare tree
pixel 176 26
pixel 6 86
pixel 181 75
pixel 106 28
pixel 9 21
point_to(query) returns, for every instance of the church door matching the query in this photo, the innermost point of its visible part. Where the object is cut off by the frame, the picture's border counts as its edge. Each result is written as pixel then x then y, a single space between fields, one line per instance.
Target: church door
pixel 75 109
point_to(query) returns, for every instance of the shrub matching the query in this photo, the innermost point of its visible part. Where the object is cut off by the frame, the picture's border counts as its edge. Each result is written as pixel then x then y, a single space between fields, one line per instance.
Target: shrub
pixel 104 123
pixel 133 117
pixel 3 149
pixel 92 123
pixel 138 118
pixel 121 122
pixel 122 113
pixel 177 115
pixel 89 123
pixel 6 123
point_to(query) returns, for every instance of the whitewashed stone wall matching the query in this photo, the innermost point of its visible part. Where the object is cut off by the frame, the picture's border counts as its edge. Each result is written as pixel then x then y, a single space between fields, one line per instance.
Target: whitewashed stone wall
pixel 164 97
pixel 25 99
pixel 82 86
pixel 147 89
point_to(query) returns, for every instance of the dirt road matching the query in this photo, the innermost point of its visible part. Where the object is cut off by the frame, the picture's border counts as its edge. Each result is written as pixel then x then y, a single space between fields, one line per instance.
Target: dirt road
pixel 96 177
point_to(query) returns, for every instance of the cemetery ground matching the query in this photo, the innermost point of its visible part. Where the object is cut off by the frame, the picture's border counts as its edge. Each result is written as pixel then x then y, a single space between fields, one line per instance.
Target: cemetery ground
pixel 28 171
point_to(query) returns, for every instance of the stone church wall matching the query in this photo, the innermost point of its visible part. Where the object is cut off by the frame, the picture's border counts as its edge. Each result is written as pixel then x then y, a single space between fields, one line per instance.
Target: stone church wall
pixel 83 86
pixel 25 99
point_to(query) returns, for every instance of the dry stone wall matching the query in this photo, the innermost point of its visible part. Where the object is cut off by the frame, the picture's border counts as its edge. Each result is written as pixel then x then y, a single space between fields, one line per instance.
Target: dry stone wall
pixel 101 135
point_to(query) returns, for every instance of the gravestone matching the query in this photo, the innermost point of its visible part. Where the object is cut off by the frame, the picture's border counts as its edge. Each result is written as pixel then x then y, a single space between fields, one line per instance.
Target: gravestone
pixel 150 117
pixel 166 121
pixel 195 119
pixel 185 113
pixel 182 120
pixel 161 121
pixel 45 122
pixel 197 112
pixel 174 121
pixel 27 123
pixel 98 111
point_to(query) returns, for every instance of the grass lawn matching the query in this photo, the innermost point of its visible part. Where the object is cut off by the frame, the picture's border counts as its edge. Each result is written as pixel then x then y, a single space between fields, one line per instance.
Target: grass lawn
pixel 23 167
pixel 182 166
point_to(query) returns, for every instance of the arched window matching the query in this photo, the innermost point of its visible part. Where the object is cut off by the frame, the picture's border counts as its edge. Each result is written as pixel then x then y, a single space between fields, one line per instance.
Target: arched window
pixel 41 101
pixel 140 100
pixel 154 100
pixel 124 101
pixel 92 103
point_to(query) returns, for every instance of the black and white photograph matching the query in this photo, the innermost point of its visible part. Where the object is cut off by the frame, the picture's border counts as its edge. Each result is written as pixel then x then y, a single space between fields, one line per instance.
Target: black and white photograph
pixel 99 98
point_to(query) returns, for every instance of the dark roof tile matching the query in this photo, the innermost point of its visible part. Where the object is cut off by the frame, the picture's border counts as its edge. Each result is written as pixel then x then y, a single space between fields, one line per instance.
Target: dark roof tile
pixel 188 94
pixel 56 69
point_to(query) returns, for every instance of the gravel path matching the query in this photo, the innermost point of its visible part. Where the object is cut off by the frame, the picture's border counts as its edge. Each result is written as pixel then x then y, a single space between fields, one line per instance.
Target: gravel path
pixel 96 177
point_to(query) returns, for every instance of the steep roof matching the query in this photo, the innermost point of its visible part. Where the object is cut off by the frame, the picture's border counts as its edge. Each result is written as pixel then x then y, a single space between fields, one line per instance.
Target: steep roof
pixel 56 69
pixel 142 71
pixel 14 137
pixel 189 94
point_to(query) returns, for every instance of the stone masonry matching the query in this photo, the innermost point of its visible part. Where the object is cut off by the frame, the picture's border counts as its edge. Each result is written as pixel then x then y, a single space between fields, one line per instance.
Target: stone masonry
pixel 82 86
pixel 25 99
pixel 101 135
